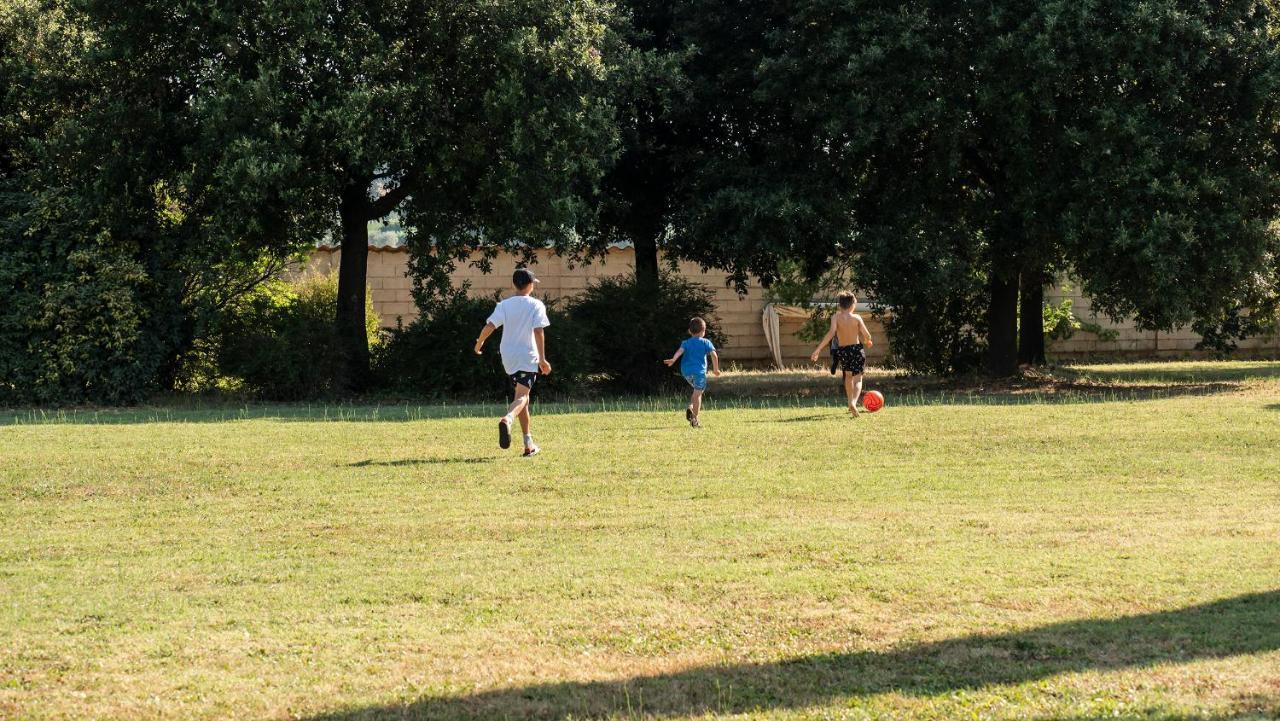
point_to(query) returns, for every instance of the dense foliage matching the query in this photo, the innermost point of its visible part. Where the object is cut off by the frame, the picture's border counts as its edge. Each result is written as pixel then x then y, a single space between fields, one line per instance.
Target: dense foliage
pixel 160 160
pixel 279 342
pixel 626 332
pixel 714 167
pixel 1132 144
pixel 433 356
pixel 117 254
pixel 82 318
pixel 202 145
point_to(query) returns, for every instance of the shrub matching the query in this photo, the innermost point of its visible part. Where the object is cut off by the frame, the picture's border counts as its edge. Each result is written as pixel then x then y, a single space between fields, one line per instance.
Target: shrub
pixel 1060 321
pixel 279 342
pixel 627 335
pixel 433 356
pixel 82 320
pixel 75 328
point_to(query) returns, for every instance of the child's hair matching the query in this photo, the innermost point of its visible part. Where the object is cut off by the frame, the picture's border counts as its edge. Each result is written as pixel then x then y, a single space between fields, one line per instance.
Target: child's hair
pixel 697 325
pixel 846 299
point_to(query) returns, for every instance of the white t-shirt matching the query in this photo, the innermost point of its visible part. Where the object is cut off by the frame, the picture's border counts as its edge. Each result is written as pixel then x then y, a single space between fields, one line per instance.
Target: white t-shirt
pixel 517 316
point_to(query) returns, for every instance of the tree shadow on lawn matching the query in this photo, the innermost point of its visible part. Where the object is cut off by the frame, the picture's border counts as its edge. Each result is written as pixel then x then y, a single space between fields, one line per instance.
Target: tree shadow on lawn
pixel 1268 714
pixel 419 462
pixel 837 413
pixel 1034 388
pixel 833 397
pixel 1245 624
pixel 804 388
pixel 1206 372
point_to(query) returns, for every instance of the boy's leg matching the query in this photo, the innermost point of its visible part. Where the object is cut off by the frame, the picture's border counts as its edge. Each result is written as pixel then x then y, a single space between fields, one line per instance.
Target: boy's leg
pixel 521 402
pixel 519 407
pixel 523 415
pixel 851 390
pixel 695 402
pixel 530 448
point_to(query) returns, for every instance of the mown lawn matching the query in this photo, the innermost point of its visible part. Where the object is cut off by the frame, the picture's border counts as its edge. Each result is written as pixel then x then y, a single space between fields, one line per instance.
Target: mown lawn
pixel 1106 547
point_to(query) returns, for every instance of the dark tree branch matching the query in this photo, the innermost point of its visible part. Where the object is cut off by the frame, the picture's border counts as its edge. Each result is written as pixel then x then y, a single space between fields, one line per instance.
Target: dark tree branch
pixel 388 202
pixel 275 268
pixel 223 293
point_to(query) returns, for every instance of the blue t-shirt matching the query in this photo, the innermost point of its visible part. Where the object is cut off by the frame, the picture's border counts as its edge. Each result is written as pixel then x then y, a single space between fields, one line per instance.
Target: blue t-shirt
pixel 694 360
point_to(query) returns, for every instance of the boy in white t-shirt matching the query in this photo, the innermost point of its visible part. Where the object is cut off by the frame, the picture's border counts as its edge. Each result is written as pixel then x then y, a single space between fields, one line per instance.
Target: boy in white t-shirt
pixel 524 351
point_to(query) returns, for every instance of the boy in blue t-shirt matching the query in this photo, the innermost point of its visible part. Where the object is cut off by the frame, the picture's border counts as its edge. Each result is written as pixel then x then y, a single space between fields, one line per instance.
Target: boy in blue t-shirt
pixel 693 366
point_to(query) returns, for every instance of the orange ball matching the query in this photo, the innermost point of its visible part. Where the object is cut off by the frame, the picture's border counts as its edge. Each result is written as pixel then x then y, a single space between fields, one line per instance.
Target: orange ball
pixel 872 401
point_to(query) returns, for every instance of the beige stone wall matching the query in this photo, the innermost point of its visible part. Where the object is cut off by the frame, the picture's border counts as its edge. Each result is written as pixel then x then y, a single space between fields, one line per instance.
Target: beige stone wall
pixel 1131 342
pixel 387 281
pixel 740 316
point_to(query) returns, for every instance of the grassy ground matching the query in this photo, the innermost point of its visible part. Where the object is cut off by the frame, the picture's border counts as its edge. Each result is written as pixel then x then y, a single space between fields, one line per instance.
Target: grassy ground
pixel 1101 544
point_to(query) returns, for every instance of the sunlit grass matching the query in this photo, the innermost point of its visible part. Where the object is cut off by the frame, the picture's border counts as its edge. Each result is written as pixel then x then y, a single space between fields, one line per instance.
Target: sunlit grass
pixel 1008 556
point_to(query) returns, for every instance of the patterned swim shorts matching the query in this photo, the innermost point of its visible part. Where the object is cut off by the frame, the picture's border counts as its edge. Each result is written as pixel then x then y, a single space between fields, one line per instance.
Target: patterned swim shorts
pixel 850 358
pixel 524 378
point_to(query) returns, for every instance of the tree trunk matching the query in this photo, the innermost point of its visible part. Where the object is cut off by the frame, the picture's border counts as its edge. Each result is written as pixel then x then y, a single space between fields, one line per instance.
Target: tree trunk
pixel 645 243
pixel 1002 326
pixel 352 369
pixel 1031 349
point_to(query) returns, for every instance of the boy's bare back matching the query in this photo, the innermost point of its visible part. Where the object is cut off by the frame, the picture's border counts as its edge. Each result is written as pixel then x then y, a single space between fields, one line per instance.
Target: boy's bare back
pixel 849 328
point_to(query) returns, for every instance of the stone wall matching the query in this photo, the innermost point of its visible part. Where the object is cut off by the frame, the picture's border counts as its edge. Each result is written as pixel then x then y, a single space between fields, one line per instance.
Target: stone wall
pixel 1129 342
pixel 740 315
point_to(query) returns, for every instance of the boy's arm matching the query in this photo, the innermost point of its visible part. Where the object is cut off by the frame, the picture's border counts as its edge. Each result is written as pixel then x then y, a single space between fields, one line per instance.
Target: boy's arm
pixel 485 332
pixel 540 340
pixel 672 360
pixel 715 362
pixel 866 334
pixel 825 340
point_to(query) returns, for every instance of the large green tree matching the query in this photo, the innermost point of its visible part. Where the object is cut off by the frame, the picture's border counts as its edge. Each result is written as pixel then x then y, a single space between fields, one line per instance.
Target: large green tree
pixel 310 116
pixel 714 167
pixel 91 259
pixel 165 156
pixel 992 145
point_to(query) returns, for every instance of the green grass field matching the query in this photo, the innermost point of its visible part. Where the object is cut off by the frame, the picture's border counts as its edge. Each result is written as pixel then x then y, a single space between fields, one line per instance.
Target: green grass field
pixel 1104 544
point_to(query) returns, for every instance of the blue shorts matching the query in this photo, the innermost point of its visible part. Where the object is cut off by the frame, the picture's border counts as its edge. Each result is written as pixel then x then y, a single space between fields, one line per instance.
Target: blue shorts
pixel 697 380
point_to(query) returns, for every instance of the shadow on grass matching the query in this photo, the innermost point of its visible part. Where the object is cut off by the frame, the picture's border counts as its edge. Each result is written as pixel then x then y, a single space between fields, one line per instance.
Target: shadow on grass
pixel 1156 715
pixel 747 390
pixel 836 413
pixel 899 398
pixel 419 462
pixel 1206 372
pixel 1246 624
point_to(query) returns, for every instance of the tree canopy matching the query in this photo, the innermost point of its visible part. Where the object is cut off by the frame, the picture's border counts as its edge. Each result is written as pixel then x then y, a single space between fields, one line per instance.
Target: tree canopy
pixel 1131 144
pixel 245 131
pixel 716 166
pixel 314 111
pixel 160 159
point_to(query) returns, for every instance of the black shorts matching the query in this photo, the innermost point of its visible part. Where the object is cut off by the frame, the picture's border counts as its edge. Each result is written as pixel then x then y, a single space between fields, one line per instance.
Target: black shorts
pixel 524 378
pixel 850 358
